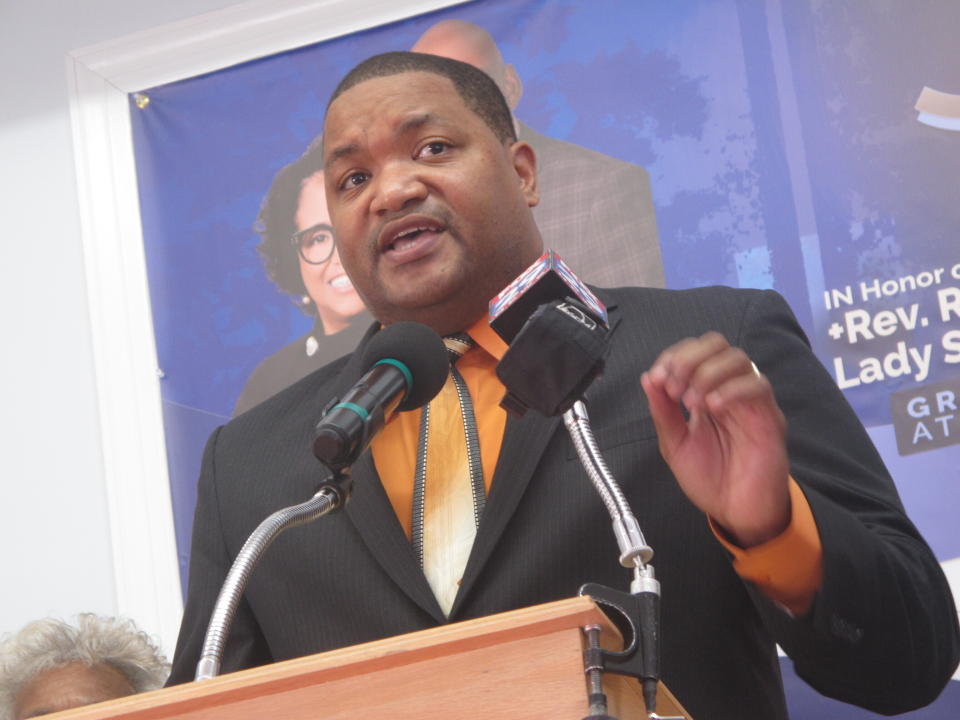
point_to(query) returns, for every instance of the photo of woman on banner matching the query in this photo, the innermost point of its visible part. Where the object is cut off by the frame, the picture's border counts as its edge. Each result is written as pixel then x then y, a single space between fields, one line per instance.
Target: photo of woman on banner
pixel 300 257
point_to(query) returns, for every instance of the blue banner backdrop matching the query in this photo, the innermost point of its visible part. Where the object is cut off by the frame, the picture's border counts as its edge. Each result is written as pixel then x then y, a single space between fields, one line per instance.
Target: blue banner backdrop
pixel 782 149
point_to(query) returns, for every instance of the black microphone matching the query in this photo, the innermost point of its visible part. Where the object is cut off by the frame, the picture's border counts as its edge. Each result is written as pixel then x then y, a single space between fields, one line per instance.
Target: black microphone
pixel 557 331
pixel 406 364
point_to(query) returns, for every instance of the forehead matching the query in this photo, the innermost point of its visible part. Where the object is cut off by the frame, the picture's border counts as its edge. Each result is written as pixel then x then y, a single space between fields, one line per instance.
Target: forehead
pixel 312 203
pixel 397 102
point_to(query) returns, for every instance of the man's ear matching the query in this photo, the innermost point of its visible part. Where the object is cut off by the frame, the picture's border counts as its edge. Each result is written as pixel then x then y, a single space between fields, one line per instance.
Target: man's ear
pixel 512 87
pixel 525 165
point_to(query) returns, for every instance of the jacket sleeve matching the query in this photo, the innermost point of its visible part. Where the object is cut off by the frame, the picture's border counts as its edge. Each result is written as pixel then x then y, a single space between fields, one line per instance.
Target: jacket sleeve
pixel 209 564
pixel 882 632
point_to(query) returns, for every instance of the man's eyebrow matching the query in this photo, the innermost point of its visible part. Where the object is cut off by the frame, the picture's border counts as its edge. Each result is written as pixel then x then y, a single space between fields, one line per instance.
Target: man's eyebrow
pixel 414 122
pixel 417 121
pixel 339 152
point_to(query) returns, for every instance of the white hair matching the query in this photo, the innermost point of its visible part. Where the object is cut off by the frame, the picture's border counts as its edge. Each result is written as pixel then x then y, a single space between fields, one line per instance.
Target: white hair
pixel 49 643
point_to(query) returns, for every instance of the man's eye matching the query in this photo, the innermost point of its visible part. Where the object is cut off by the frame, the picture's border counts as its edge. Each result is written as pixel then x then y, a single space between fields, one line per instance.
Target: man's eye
pixel 355 179
pixel 434 148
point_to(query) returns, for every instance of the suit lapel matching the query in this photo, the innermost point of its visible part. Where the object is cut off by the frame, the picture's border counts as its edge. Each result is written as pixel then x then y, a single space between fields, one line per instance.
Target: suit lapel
pixel 372 515
pixel 524 442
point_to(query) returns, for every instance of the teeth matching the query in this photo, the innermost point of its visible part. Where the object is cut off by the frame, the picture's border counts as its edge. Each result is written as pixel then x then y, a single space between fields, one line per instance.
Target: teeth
pixel 414 231
pixel 341 281
pixel 407 237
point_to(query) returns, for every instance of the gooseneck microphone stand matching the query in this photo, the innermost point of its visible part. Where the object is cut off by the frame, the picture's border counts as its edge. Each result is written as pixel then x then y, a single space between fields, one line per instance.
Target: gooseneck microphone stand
pixel 393 358
pixel 640 610
pixel 634 551
pixel 332 495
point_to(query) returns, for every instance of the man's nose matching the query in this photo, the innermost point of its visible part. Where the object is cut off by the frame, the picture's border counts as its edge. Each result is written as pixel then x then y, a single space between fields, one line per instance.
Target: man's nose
pixel 398 186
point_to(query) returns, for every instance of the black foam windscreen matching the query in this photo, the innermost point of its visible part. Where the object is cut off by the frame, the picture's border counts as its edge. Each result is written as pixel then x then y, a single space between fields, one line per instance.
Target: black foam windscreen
pixel 550 363
pixel 421 350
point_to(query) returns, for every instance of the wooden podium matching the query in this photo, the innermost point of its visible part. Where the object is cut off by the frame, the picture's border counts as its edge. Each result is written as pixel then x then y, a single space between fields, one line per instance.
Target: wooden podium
pixel 522 664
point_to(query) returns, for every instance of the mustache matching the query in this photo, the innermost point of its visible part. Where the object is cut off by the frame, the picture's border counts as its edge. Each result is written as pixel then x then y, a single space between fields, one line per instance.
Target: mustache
pixel 431 210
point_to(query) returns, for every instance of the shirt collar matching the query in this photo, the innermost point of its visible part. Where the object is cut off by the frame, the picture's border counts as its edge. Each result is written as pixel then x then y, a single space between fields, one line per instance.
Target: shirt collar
pixel 487 338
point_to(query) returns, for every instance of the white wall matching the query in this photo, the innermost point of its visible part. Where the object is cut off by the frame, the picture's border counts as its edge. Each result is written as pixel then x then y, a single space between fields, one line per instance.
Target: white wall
pixel 54 528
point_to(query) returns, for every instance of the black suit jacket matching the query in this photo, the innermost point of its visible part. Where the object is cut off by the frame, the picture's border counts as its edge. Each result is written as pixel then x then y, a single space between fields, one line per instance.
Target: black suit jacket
pixel 882 631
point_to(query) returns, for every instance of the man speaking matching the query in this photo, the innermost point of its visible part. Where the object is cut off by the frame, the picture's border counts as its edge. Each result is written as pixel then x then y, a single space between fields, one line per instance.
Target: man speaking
pixel 772 515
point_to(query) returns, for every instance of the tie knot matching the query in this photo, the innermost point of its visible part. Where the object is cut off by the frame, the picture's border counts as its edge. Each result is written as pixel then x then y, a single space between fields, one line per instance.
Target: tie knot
pixel 457 345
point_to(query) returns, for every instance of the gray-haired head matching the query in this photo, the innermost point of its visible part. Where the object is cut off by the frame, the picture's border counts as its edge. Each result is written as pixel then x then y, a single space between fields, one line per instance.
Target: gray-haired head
pixel 49 643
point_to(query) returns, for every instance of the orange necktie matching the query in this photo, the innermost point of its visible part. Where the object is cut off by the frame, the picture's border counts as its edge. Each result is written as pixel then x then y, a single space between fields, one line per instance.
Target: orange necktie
pixel 448 494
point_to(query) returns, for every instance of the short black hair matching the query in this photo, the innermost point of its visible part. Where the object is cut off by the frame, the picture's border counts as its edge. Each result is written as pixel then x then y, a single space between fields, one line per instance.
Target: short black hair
pixel 276 223
pixel 477 89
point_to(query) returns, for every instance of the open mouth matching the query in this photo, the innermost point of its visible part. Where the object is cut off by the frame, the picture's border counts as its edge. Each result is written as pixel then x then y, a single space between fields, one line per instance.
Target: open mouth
pixel 412 235
pixel 341 282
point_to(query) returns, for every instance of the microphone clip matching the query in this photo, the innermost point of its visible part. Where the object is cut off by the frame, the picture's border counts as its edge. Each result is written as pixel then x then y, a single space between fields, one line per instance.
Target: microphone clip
pixel 338 484
pixel 637 616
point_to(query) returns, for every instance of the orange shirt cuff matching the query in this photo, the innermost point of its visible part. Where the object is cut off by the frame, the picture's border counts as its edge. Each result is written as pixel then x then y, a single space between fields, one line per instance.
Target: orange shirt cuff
pixel 788 568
